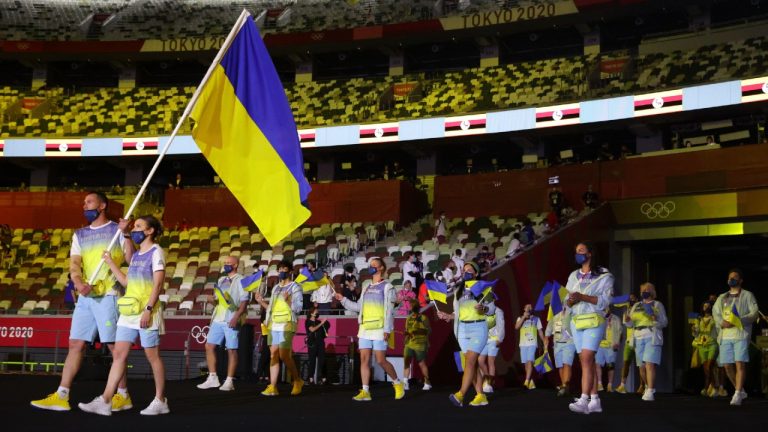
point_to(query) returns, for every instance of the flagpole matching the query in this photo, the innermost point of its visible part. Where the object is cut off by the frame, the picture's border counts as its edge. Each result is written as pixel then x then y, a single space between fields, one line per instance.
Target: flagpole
pixel 195 96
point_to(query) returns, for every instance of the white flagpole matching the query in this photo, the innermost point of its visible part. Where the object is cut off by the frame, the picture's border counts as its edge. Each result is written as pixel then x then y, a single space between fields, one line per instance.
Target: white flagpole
pixel 195 96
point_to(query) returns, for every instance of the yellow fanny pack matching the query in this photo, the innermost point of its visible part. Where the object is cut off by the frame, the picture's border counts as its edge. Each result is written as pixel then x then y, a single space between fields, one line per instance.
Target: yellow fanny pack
pixel 129 306
pixel 373 323
pixel 587 321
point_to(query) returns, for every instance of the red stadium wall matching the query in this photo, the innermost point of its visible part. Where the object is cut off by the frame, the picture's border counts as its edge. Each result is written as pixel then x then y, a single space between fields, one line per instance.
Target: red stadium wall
pixel 330 202
pixel 520 192
pixel 41 210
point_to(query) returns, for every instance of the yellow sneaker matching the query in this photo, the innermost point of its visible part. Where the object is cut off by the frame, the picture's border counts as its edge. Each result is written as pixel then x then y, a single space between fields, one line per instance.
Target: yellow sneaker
pixel 600 387
pixel 531 385
pixel 270 391
pixel 479 400
pixel 609 389
pixel 399 390
pixel 722 392
pixel 52 402
pixel 711 392
pixel 457 399
pixel 363 396
pixel 297 386
pixel 120 403
pixel 621 389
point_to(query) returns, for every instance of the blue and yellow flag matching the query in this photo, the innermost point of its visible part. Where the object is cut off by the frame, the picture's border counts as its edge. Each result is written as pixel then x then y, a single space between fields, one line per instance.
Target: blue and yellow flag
pixel 556 303
pixel 311 281
pixel 224 299
pixel 250 283
pixel 481 289
pixel 620 301
pixel 543 364
pixel 544 297
pixel 459 359
pixel 732 316
pixel 437 291
pixel 245 128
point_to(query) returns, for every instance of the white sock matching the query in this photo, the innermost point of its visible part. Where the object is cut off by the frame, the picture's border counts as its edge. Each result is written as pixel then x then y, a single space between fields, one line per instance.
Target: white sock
pixel 396 382
pixel 585 396
pixel 63 391
pixel 122 392
pixel 595 397
pixel 212 375
pixel 229 378
pixel 366 388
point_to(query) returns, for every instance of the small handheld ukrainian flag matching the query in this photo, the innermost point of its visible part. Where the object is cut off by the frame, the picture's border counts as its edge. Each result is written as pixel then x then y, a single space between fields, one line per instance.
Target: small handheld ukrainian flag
pixel 543 363
pixel 437 291
pixel 544 297
pixel 223 298
pixel 481 289
pixel 620 301
pixel 732 316
pixel 311 281
pixel 252 282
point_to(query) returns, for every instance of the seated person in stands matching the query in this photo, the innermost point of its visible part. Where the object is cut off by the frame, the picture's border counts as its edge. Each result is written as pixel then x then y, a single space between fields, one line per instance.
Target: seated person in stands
pixel 529 236
pixel 397 172
pixel 514 245
pixel 350 288
pixel 590 198
pixel 711 140
pixel 688 144
pixel 485 259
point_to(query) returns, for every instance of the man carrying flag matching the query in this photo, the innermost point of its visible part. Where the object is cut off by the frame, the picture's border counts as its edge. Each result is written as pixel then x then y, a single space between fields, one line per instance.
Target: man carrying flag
pixel 529 326
pixel 245 129
pixel 227 318
pixel 734 313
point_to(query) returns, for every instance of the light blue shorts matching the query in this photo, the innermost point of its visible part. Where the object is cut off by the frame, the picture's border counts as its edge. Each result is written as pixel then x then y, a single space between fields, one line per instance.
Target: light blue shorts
pixel 732 351
pixel 221 332
pixel 473 336
pixel 94 314
pixel 647 353
pixel 588 339
pixel 564 354
pixel 490 348
pixel 527 354
pixel 605 356
pixel 376 345
pixel 149 338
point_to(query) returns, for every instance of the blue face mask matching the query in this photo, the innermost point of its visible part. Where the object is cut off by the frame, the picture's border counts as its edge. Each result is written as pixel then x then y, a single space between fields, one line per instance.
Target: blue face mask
pixel 645 295
pixel 372 270
pixel 581 258
pixel 228 268
pixel 282 275
pixel 91 215
pixel 468 276
pixel 138 236
pixel 733 282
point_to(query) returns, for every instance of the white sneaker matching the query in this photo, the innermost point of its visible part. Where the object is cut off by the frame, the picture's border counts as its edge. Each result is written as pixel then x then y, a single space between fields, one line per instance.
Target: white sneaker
pixel 228 385
pixel 595 406
pixel 580 406
pixel 743 394
pixel 211 382
pixel 737 398
pixel 406 386
pixel 97 406
pixel 427 387
pixel 487 388
pixel 649 395
pixel 156 407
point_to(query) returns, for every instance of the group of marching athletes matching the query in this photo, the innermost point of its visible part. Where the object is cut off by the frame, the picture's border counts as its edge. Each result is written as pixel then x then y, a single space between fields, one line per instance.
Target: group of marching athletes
pixel 585 326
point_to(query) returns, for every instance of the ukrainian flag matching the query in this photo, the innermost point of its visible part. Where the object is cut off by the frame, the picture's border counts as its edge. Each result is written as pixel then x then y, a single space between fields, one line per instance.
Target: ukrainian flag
pixel 544 297
pixel 732 316
pixel 556 304
pixel 245 128
pixel 620 301
pixel 460 360
pixel 437 291
pixel 250 283
pixel 481 289
pixel 543 364
pixel 310 282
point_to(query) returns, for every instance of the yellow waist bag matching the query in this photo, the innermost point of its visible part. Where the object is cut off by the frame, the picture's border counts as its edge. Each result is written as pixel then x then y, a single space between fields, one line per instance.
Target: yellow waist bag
pixel 587 321
pixel 373 323
pixel 281 313
pixel 129 306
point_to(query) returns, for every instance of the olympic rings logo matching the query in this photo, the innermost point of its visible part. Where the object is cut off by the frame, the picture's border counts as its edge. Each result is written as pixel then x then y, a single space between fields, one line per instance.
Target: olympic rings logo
pixel 657 209
pixel 200 334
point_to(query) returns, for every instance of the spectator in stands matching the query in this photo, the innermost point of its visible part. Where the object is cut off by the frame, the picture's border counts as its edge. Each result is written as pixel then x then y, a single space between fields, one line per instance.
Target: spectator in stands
pixel 590 289
pixel 440 233
pixel 416 344
pixel 419 268
pixel 317 329
pixel 737 306
pixel 485 259
pixel 552 222
pixel 711 140
pixel 458 258
pixel 141 317
pixel 397 172
pixel 605 153
pixel 96 309
pixel 529 326
pixel 556 200
pixel 227 318
pixel 590 198
pixel 176 183
pixel 282 311
pixel 376 320
pixel 410 270
pixel 69 293
pixel 23 187
pixel 688 144
pixel 403 297
pixel 323 296
pixel 515 245
pixel 451 272
pixel 528 235
pixel 626 151
pixel 350 289
pixel 385 174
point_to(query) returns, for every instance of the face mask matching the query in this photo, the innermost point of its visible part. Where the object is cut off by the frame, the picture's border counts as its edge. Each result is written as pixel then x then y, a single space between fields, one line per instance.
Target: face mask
pixel 227 268
pixel 138 236
pixel 645 295
pixel 733 282
pixel 468 276
pixel 372 270
pixel 91 215
pixel 581 258
pixel 282 275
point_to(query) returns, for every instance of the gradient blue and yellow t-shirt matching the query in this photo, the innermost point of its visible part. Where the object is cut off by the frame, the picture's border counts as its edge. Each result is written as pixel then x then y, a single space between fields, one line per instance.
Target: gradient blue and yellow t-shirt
pixel 90 243
pixel 141 273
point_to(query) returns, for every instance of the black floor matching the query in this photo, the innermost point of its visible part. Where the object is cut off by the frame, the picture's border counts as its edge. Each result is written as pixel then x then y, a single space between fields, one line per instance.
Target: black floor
pixel 330 408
